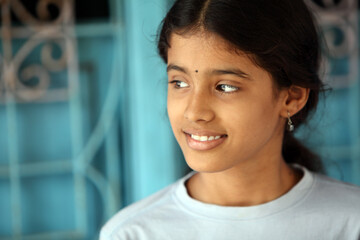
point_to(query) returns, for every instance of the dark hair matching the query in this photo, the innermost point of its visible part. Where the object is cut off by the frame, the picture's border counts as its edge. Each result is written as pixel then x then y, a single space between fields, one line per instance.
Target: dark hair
pixel 279 35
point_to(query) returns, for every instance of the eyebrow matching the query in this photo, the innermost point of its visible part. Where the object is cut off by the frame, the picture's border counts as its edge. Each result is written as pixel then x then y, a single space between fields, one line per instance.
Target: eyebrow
pixel 177 68
pixel 231 71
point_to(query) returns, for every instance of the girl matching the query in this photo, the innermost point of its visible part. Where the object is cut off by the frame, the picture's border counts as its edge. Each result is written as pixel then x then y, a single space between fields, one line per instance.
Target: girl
pixel 242 76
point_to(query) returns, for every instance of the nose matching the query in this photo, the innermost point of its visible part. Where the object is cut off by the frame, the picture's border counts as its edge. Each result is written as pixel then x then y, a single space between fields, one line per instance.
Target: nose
pixel 199 108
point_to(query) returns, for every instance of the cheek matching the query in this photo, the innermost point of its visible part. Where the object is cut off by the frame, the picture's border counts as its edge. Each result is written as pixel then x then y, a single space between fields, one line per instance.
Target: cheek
pixel 252 118
pixel 174 113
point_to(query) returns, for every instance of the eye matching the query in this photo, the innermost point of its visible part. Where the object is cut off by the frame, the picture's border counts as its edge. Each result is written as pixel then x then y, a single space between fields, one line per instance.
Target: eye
pixel 226 88
pixel 179 84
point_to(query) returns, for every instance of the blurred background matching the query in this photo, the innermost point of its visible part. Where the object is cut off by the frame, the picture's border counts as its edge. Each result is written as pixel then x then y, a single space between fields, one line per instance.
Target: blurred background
pixel 84 130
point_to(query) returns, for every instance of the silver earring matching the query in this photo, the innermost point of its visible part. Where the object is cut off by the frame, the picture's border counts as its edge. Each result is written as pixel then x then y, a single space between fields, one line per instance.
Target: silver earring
pixel 291 126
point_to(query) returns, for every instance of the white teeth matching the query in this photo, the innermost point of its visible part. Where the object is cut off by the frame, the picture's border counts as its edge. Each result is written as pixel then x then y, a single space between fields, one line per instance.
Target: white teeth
pixel 195 137
pixel 204 138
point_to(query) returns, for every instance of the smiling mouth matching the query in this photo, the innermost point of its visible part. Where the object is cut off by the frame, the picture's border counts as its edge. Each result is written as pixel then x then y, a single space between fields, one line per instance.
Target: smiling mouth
pixel 205 138
pixel 202 143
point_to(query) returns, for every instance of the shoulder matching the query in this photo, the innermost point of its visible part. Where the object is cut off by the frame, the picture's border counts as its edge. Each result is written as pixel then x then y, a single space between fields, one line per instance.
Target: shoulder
pixel 138 213
pixel 331 186
pixel 337 195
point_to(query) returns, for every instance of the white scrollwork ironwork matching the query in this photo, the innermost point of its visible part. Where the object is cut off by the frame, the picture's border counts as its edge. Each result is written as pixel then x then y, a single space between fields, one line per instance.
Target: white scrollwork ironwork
pixel 42 12
pixel 339 25
pixel 40 32
pixel 31 55
pixel 333 5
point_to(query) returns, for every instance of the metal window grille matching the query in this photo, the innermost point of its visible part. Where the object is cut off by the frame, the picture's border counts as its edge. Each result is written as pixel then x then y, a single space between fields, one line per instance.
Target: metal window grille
pixel 41 80
pixel 337 124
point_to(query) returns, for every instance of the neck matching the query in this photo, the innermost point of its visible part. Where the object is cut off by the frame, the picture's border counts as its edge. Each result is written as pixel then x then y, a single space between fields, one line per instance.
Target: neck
pixel 244 185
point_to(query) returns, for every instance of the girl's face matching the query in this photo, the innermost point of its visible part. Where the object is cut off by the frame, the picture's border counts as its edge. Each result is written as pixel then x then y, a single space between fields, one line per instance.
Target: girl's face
pixel 222 107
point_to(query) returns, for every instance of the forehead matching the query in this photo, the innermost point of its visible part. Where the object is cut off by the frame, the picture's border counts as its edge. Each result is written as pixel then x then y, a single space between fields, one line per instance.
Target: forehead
pixel 205 43
pixel 207 39
pixel 206 50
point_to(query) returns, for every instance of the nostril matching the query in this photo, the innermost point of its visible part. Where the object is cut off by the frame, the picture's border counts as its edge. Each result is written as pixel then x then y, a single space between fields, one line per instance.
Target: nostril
pixel 199 113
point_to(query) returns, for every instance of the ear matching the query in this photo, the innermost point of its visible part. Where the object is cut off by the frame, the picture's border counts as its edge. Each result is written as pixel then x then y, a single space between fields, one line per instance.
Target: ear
pixel 295 99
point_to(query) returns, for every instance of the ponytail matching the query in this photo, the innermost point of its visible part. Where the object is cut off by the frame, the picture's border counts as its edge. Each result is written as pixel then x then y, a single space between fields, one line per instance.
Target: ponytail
pixel 296 153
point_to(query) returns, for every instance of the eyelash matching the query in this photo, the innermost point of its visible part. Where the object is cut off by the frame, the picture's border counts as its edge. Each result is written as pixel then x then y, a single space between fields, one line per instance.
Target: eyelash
pixel 176 82
pixel 218 87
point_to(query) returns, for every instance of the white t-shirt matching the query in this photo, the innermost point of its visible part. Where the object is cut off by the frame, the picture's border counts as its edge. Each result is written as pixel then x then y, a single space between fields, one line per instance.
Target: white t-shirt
pixel 317 208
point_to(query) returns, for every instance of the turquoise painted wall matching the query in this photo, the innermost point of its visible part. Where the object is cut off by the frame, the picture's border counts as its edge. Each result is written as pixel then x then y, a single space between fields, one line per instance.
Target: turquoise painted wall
pixel 152 160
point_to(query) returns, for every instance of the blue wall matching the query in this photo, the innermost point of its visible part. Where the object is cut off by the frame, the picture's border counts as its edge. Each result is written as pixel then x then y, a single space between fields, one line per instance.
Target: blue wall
pixel 151 162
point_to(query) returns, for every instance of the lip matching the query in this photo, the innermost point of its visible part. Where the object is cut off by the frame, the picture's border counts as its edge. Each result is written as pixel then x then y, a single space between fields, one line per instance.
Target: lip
pixel 202 132
pixel 203 146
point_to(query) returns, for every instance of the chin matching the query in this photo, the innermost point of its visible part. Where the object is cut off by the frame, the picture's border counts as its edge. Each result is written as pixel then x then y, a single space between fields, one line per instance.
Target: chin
pixel 206 164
